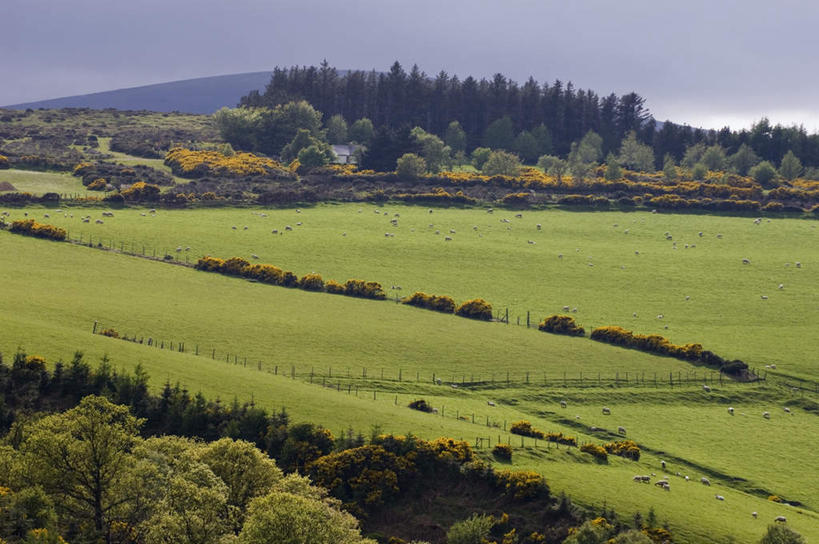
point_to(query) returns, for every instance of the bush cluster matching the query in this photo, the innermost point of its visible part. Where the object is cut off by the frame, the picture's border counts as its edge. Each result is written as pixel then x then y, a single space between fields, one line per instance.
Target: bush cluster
pixel 438 303
pixel 654 343
pixel 195 164
pixel 475 309
pixel 624 448
pixel 117 175
pixel 502 452
pixel 561 324
pixel 560 438
pixel 598 452
pixel 438 196
pixel 111 333
pixel 141 191
pixel 4 162
pixel 421 405
pixel 29 227
pixel 523 485
pixel 273 275
pixel 524 428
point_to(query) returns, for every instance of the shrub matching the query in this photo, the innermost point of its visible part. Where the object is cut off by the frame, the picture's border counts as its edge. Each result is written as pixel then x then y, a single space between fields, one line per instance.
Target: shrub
pixel 115 199
pixel 475 309
pixel 561 324
pixel 781 534
pixel 98 184
pixel 441 303
pixel 4 162
pixel 410 166
pixel 624 448
pixel 773 207
pixel 195 164
pixel 524 428
pixel 111 333
pixel 421 405
pixel 501 163
pixel 29 227
pixel 364 289
pixel 598 452
pixel 503 452
pixel 141 191
pixel 523 485
pixel 210 264
pixel 333 287
pixel 576 200
pixel 235 266
pixel 473 530
pixel 774 498
pixel 560 438
pixel 311 282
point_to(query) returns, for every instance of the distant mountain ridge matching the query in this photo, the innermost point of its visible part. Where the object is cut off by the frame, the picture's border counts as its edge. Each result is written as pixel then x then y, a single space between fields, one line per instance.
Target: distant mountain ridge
pixel 198 95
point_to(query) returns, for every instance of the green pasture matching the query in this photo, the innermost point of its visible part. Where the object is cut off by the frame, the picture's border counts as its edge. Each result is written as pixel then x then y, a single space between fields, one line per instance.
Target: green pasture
pixel 38 183
pixel 608 265
pixel 51 294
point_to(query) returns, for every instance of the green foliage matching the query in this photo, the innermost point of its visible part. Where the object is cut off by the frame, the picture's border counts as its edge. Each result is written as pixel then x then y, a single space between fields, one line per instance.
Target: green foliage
pixel 361 131
pixel 591 532
pixel 337 130
pixel 455 137
pixel 670 173
pixel 743 160
pixel 239 126
pixel 527 147
pixel 479 157
pixel 781 534
pixel 313 156
pixel 561 324
pixel 791 166
pixel 499 134
pixel 296 519
pixel 636 156
pixel 475 309
pixel 598 452
pixel 632 537
pixel 473 530
pixel 435 153
pixel 590 148
pixel 502 163
pixel 321 154
pixel 699 171
pixel 764 173
pixel 410 166
pixel 714 158
pixel 543 138
pixel 524 428
pixel 613 170
pixel 364 289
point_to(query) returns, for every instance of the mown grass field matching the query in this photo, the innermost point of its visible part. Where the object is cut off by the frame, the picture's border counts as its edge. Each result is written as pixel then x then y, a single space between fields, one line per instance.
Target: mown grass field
pixel 52 293
pixel 608 265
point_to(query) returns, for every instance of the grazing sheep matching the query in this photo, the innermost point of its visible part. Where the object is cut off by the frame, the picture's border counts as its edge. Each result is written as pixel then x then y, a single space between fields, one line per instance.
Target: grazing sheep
pixel 781 519
pixel 152 210
pixel 437 232
pixel 634 314
pixel 430 210
pixel 566 308
pixel 233 227
pixel 640 478
pixel 574 310
pixel 766 415
pixel 288 227
pixel 254 256
pixel 297 224
pixel 562 403
pixel 490 210
pixel 662 464
pixel 763 297
pixel 798 264
pixel 621 430
pixel 474 227
pixel 625 231
pixel 705 481
pixel 662 483
pixel 386 235
pixel 46 215
pixel 606 411
pixel 178 249
pixel 746 261
pixel 687 478
pixel 719 497
pixel 519 215
pixel 452 231
pixel 531 241
pixel 187 248
pixel 435 410
pixel 706 388
pixel 660 316
pixel 447 239
pixel 85 220
pixel 787 410
pixel 298 210
pixel 687 297
pixel 143 214
pixel 636 252
pixel 244 228
pixel 754 514
pixel 773 366
pixel 98 221
pixel 781 286
pixel 275 231
pixel 490 403
pixel 731 410
pixel 559 255
pixel 699 234
pixel 539 227
pixel 719 235
pixel 108 214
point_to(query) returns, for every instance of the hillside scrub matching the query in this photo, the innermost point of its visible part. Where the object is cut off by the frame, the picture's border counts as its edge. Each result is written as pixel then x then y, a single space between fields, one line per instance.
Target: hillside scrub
pixel 29 227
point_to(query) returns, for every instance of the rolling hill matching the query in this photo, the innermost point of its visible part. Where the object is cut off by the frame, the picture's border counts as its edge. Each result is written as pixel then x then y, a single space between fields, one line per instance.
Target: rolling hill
pixel 199 95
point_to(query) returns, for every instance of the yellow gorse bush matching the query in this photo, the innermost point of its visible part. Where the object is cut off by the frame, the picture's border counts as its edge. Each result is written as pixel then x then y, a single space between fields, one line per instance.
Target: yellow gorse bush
pixel 188 163
pixel 30 227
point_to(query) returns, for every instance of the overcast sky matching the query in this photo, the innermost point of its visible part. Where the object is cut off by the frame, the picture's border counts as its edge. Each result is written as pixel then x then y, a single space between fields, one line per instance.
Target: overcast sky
pixel 706 63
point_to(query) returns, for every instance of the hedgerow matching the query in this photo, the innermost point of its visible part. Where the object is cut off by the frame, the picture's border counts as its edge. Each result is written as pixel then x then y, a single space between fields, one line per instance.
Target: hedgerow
pixel 624 448
pixel 29 227
pixel 364 289
pixel 421 405
pixel 524 428
pixel 438 303
pixel 598 452
pixel 654 343
pixel 561 324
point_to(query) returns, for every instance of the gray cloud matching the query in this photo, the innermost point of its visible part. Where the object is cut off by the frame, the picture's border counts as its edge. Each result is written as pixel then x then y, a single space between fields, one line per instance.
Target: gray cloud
pixel 696 61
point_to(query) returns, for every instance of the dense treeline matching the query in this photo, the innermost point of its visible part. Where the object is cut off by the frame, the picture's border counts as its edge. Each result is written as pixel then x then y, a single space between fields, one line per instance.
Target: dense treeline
pixel 499 109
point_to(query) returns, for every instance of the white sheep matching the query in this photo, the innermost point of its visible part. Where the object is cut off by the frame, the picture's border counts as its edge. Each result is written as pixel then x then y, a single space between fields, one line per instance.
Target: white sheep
pixel 288 227
pixel 539 226
pixel 233 227
pixel 781 285
pixel 566 308
pixel 746 261
pixel 706 388
pixel 719 497
pixel 660 316
pixel 705 481
pixel 99 221
pixel 766 415
pixel 606 411
pixel 490 403
pixel 244 228
pixel 46 215
pixel 763 297
pixel 754 514
pixel 731 410
pixel 254 256
pixel 562 403
pixel 574 310
pixel 275 231
pixel 798 264
pixel 781 519
pixel 662 464
pixel 531 241
pixel 447 239
pixel 452 231
pixel 178 249
pixel 297 224
pixel 787 410
pixel 621 430
pixel 519 215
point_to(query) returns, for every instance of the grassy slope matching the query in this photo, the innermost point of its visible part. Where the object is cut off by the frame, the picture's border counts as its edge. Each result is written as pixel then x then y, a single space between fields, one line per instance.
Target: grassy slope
pixel 292 326
pixel 725 311
pixel 37 183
